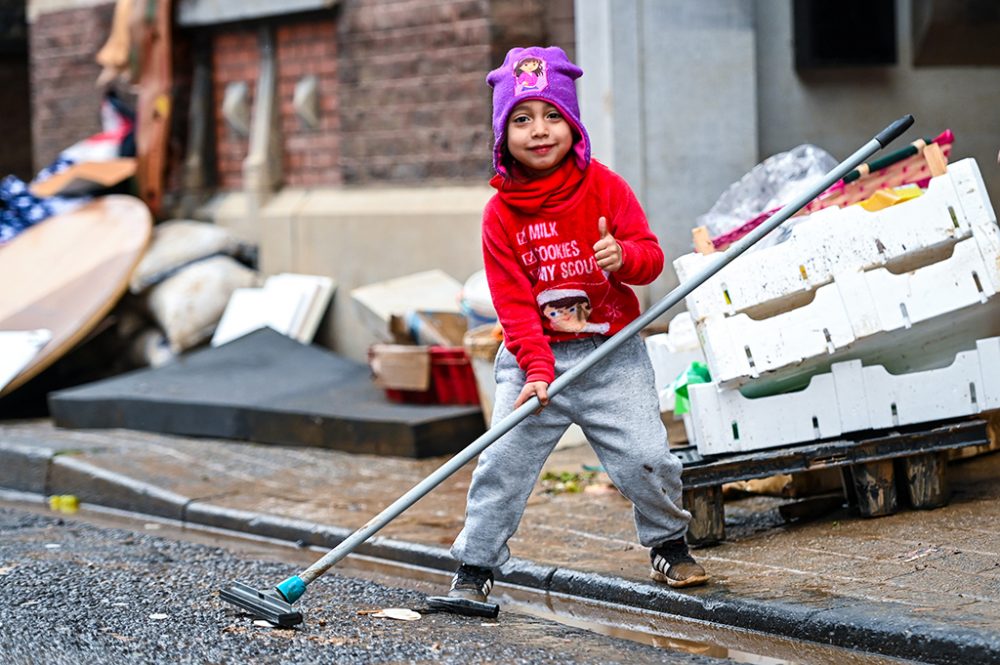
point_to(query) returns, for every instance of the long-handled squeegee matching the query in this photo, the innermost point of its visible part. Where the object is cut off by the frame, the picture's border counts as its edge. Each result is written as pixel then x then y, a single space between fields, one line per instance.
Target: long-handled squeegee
pixel 275 605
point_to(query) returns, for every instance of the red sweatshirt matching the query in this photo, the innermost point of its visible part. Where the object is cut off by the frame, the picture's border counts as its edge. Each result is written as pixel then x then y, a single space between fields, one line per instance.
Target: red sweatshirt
pixel 538 239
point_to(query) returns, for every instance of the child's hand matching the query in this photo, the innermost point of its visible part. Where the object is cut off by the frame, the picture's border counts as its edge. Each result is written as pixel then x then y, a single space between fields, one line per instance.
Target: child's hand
pixel 607 251
pixel 539 388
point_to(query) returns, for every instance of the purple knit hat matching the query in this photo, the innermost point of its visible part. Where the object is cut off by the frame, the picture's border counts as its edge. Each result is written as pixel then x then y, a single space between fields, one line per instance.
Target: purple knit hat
pixel 536 73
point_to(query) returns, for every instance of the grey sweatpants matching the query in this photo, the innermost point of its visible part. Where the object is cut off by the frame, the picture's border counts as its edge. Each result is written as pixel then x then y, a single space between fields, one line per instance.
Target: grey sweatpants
pixel 616 405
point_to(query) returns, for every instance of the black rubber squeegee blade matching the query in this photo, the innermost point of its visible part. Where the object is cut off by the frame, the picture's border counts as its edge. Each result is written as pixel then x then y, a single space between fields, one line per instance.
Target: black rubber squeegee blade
pixel 266 605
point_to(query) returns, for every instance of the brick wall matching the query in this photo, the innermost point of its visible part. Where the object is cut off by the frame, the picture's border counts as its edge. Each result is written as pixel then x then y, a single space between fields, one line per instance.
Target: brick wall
pixel 559 25
pixel 66 106
pixel 401 85
pixel 235 57
pixel 515 23
pixel 303 47
pixel 310 156
pixel 413 103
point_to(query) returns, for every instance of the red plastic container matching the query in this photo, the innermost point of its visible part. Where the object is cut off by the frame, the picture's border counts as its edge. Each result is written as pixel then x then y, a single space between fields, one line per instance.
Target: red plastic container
pixel 452 380
pixel 410 396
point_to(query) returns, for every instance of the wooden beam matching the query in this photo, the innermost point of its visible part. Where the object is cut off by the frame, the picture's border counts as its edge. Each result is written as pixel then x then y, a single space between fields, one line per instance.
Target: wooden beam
pixel 935 159
pixel 702 241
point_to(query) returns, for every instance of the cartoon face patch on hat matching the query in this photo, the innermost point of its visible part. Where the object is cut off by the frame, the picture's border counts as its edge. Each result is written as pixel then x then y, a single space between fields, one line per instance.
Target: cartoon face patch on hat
pixel 529 75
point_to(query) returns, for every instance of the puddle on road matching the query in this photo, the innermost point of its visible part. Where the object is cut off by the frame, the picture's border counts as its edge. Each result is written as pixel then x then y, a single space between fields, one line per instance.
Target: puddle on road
pixel 655 629
pixel 686 635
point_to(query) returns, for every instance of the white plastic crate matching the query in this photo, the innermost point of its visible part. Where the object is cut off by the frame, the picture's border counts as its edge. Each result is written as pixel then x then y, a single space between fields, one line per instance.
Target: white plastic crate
pixel 670 362
pixel 861 315
pixel 850 398
pixel 968 183
pixel 836 240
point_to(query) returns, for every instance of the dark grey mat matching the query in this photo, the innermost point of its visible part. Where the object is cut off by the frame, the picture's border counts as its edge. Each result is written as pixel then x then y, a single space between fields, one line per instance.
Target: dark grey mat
pixel 268 388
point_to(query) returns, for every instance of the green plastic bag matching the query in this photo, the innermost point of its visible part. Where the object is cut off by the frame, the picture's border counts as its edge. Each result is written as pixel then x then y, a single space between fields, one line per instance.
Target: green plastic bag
pixel 696 373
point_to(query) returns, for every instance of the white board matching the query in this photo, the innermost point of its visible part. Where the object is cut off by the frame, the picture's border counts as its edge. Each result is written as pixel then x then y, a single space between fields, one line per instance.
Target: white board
pixel 290 304
pixel 17 349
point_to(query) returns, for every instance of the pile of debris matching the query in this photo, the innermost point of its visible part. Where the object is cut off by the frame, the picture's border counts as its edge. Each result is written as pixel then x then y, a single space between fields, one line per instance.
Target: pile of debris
pixel 436 338
pixel 872 313
pixel 197 283
pixel 183 283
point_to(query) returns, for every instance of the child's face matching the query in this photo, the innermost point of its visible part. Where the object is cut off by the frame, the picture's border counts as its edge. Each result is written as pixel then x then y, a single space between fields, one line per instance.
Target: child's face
pixel 529 66
pixel 571 318
pixel 538 136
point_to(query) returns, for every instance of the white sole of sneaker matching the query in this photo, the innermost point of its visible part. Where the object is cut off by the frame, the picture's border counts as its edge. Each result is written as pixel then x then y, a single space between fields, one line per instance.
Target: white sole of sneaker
pixel 657 576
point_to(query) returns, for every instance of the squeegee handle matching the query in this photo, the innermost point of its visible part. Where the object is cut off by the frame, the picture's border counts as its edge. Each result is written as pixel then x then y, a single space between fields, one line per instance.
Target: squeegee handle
pixel 419 490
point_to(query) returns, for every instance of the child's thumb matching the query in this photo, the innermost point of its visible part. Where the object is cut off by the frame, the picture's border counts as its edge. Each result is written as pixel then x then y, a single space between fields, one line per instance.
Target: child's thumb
pixel 602 226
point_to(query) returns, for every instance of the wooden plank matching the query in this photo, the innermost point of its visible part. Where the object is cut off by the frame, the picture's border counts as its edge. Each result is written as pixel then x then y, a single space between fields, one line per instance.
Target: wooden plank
pixel 702 240
pixel 86 178
pixel 155 102
pixel 874 488
pixel 833 454
pixel 926 479
pixel 936 161
pixel 708 525
pixel 70 271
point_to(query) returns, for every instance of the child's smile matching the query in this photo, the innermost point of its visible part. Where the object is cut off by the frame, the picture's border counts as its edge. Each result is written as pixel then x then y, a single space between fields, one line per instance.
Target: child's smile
pixel 538 136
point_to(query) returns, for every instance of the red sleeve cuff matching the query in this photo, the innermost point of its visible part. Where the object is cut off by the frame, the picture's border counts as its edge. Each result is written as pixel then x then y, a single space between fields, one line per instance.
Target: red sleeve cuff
pixel 547 377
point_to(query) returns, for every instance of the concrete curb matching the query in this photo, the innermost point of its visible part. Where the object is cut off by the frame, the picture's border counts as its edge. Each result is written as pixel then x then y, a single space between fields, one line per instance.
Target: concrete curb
pixel 69 474
pixel 868 627
pixel 24 468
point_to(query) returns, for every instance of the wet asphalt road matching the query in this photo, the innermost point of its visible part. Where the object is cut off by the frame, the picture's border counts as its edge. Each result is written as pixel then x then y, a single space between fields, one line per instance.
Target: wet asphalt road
pixel 75 593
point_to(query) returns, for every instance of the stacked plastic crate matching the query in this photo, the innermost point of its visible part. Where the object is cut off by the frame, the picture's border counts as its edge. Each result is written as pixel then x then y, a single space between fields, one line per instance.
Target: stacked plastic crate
pixel 860 320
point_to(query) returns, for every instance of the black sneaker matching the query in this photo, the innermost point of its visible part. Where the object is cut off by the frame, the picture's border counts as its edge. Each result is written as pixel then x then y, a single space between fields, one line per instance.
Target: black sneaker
pixel 673 564
pixel 472 583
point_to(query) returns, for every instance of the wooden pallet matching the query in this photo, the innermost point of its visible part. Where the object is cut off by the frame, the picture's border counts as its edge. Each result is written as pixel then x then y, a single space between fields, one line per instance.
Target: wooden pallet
pixel 875 469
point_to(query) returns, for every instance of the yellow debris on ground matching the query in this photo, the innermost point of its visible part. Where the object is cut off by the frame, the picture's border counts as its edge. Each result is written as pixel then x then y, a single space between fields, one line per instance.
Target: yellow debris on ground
pixel 64 503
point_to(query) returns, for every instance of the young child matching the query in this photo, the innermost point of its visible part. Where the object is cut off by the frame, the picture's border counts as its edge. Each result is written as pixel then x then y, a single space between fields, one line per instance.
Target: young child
pixel 562 238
